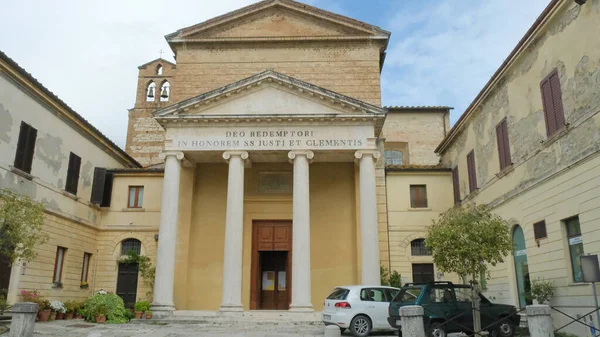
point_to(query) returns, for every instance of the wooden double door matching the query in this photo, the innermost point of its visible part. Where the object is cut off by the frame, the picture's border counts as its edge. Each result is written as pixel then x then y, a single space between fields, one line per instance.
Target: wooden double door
pixel 271 273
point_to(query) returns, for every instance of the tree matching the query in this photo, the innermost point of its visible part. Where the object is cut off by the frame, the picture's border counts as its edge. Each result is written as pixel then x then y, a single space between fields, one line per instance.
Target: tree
pixel 21 221
pixel 466 240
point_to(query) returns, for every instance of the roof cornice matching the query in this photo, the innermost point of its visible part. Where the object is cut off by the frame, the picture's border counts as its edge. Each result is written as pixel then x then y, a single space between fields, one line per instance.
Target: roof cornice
pixel 540 23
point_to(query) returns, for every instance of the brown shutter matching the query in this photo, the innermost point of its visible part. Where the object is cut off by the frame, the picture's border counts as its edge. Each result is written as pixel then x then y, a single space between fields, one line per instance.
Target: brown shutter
pixel 30 149
pixel 507 157
pixel 559 113
pixel 98 185
pixel 500 141
pixel 106 196
pixel 73 173
pixel 455 185
pixel 413 196
pixel 549 115
pixel 472 172
pixel 21 146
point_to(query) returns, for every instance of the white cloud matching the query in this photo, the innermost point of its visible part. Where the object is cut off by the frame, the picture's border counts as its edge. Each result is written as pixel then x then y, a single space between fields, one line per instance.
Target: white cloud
pixel 443 53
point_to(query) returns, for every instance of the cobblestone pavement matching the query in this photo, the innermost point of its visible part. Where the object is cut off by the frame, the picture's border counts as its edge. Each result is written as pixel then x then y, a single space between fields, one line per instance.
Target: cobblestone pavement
pixel 83 329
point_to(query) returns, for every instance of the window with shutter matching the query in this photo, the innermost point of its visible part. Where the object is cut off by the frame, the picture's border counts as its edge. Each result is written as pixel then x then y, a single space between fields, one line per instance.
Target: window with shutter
pixel 554 114
pixel 25 147
pixel 455 185
pixel 472 172
pixel 98 185
pixel 539 230
pixel 418 196
pixel 503 144
pixel 73 173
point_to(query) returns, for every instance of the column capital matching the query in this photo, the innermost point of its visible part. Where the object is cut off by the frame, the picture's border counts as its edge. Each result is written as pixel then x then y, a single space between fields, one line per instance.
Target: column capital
pixel 365 153
pixel 307 153
pixel 229 154
pixel 177 154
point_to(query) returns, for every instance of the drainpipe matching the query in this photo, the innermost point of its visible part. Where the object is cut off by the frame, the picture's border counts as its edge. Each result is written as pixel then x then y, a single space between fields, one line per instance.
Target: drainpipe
pixel 95 271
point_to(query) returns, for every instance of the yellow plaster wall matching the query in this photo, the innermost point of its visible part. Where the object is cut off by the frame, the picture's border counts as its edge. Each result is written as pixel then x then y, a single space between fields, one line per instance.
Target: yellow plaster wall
pixel 333 230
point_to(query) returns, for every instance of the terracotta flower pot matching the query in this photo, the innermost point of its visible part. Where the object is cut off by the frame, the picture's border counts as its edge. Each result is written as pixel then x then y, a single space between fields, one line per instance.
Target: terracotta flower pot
pixel 148 316
pixel 44 315
pixel 52 316
pixel 138 314
pixel 101 319
pixel 69 315
pixel 59 316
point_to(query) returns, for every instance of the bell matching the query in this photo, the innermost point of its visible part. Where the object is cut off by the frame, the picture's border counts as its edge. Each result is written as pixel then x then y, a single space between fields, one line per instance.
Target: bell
pixel 164 93
pixel 151 92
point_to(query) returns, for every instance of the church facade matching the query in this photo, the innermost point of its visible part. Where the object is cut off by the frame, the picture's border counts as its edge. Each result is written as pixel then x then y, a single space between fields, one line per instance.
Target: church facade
pixel 261 170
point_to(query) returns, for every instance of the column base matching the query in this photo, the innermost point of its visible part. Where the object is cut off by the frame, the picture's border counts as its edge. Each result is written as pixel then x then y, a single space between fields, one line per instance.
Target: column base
pixel 162 310
pixel 301 308
pixel 231 308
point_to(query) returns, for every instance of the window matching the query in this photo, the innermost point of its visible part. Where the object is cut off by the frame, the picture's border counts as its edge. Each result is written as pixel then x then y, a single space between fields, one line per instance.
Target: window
pixel 418 248
pixel 73 173
pixel 503 144
pixel 455 185
pixel 575 247
pixel 131 244
pixel 418 196
pixel 422 272
pixel 338 294
pixel 554 113
pixel 159 70
pixel 165 91
pixel 136 196
pixel 58 264
pixel 150 91
pixel 25 147
pixel 373 295
pixel 471 171
pixel 539 230
pixel 393 157
pixel 86 266
pixel 439 294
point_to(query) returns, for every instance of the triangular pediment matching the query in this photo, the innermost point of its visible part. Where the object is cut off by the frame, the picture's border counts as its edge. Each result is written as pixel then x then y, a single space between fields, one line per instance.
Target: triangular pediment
pixel 277 19
pixel 270 94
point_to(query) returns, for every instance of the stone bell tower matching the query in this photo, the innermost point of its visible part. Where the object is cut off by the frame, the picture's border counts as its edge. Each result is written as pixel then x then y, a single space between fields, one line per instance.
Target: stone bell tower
pixel 145 137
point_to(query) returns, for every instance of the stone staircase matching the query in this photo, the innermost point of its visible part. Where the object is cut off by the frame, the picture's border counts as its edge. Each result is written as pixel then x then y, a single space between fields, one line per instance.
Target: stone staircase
pixel 255 318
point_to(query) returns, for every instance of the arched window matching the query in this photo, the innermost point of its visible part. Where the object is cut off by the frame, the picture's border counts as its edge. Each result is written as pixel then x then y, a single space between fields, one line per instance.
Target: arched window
pixel 131 244
pixel 418 248
pixel 165 91
pixel 159 69
pixel 393 157
pixel 150 91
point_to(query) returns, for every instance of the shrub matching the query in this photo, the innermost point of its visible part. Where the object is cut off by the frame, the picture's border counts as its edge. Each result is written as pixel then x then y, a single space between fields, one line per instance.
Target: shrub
pixel 71 306
pixel 542 291
pixel 116 312
pixel 3 305
pixel 142 306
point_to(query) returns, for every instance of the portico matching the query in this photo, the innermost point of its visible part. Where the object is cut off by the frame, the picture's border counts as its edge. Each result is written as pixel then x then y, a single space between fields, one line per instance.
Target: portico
pixel 269 120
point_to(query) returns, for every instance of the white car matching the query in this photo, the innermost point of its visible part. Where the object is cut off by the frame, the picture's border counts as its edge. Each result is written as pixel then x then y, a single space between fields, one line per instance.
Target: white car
pixel 359 308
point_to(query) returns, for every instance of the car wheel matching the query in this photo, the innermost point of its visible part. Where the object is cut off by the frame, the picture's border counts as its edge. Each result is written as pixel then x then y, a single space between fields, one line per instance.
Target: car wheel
pixel 504 330
pixel 360 326
pixel 436 329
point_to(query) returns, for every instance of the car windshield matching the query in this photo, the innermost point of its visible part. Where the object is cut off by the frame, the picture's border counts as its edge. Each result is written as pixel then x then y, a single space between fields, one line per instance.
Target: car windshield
pixel 408 294
pixel 338 294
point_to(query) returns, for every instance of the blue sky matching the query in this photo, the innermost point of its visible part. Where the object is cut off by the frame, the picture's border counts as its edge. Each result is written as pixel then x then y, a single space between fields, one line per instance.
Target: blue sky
pixel 441 52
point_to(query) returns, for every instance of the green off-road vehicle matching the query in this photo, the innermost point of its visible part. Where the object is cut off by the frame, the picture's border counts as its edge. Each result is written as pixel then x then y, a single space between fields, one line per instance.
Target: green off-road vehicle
pixel 447 309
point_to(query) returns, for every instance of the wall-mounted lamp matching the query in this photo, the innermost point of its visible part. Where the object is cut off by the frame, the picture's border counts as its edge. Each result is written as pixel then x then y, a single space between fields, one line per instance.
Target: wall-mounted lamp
pixel 155 237
pixel 580 2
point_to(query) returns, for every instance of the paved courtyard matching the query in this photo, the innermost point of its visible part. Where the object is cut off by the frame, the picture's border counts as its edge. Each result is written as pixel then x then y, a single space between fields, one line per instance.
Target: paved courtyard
pixel 83 329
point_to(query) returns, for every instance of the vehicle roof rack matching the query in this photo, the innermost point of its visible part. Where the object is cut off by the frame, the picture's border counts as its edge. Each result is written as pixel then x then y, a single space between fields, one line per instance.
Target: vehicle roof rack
pixel 422 283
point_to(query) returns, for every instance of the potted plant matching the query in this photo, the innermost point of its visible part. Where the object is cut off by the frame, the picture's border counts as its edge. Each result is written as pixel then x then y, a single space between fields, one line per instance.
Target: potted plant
pixel 52 316
pixel 60 309
pixel 80 313
pixel 140 307
pixel 44 309
pixel 541 291
pixel 84 285
pixel 70 307
pixel 101 313
pixel 148 314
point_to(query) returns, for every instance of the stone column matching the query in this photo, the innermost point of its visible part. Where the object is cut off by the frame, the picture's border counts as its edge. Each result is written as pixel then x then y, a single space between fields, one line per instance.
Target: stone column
pixel 369 232
pixel 301 292
pixel 167 236
pixel 412 321
pixel 234 229
pixel 23 319
pixel 539 321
